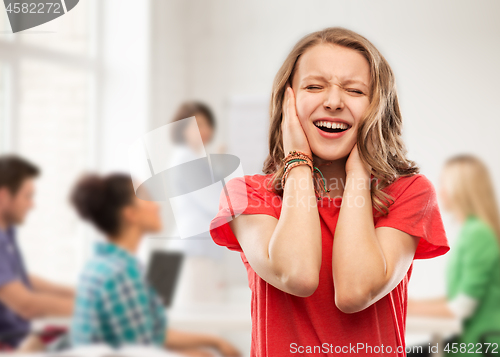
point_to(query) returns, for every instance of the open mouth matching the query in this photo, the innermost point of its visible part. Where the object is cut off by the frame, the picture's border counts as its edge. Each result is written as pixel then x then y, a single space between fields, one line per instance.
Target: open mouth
pixel 330 127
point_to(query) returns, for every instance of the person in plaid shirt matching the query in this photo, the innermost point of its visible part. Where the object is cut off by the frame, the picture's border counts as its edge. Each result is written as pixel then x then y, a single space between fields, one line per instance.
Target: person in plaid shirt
pixel 114 303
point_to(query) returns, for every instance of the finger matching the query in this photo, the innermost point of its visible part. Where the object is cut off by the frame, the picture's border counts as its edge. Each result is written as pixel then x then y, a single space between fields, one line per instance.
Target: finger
pixel 286 102
pixel 288 107
pixel 293 109
pixel 291 106
pixel 285 96
pixel 285 109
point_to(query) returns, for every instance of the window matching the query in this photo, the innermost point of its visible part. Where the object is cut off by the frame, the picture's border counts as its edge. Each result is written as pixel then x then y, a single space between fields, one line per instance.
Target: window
pixel 47 97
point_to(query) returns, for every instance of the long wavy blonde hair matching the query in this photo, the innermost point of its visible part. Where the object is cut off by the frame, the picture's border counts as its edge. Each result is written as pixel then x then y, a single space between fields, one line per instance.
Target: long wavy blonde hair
pixel 470 189
pixel 380 127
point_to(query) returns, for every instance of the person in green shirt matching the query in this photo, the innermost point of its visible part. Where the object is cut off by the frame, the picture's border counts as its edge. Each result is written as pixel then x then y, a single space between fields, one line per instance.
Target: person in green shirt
pixel 473 268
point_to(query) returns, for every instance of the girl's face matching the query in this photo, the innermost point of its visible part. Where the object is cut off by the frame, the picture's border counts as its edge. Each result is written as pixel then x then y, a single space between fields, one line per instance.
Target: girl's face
pixel 202 126
pixel 331 82
pixel 145 214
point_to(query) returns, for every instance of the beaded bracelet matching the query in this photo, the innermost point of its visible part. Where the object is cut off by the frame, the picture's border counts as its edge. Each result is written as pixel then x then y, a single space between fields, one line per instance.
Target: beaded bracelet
pixel 289 164
pixel 323 179
pixel 296 158
pixel 296 154
pixel 289 168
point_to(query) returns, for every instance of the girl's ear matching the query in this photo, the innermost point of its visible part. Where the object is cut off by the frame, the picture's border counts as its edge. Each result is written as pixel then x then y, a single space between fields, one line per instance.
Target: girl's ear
pixel 129 214
pixel 3 194
pixel 5 197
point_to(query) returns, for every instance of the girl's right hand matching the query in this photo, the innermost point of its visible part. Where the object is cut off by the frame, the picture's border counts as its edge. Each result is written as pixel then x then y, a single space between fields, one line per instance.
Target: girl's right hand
pixel 294 137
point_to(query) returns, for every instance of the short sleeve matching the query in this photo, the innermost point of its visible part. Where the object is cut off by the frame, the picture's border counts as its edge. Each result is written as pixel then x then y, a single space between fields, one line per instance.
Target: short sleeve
pixel 242 195
pixel 479 257
pixel 415 211
pixel 463 306
pixel 7 274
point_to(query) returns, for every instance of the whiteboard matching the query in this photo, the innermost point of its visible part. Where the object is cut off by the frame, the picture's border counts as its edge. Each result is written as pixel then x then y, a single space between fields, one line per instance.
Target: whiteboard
pixel 248 126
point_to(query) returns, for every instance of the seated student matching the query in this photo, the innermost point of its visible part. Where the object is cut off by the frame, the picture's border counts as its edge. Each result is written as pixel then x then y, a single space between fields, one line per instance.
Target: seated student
pixel 114 303
pixel 473 270
pixel 22 297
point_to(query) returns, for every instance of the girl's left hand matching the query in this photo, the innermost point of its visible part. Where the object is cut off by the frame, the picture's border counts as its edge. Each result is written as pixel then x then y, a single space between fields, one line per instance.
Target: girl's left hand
pixel 355 164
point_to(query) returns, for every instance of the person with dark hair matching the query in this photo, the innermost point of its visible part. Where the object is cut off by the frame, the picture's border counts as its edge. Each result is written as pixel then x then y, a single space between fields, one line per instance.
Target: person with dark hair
pixel 205 121
pixel 22 297
pixel 114 303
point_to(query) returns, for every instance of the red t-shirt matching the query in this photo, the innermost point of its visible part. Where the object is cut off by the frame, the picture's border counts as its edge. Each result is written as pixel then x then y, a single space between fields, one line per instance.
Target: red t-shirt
pixel 285 324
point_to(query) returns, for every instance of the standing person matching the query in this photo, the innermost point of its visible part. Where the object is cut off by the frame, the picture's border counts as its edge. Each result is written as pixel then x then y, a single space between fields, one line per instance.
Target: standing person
pixel 114 303
pixel 202 277
pixel 23 297
pixel 473 269
pixel 329 251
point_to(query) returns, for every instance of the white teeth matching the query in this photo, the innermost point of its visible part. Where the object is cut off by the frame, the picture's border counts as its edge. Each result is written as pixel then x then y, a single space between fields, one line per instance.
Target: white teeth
pixel 328 124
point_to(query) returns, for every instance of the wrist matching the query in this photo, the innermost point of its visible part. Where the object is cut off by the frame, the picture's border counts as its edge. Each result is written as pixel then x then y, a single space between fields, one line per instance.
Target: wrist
pixel 299 172
pixel 305 152
pixel 357 182
pixel 358 174
pixel 305 168
pixel 292 160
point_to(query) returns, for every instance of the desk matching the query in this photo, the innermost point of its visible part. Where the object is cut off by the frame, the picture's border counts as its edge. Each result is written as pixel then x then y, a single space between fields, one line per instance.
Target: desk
pixel 210 316
pixel 100 351
pixel 231 320
pixel 236 317
pixel 436 326
pixel 205 316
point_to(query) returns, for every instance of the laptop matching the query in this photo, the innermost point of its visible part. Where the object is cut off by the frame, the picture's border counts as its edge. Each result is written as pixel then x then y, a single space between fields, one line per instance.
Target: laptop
pixel 163 273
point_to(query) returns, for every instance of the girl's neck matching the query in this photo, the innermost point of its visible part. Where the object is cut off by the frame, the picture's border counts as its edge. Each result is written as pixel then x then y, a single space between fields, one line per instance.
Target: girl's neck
pixel 128 239
pixel 334 174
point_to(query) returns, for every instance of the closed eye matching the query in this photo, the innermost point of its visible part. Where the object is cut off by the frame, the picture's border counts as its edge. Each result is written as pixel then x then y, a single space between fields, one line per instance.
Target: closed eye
pixel 313 87
pixel 316 87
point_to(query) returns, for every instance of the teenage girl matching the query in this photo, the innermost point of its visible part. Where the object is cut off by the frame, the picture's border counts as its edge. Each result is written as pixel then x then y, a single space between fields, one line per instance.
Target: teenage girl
pixel 329 233
pixel 473 269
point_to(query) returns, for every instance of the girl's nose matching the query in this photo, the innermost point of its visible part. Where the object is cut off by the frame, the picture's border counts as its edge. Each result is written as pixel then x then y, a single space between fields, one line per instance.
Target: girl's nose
pixel 334 98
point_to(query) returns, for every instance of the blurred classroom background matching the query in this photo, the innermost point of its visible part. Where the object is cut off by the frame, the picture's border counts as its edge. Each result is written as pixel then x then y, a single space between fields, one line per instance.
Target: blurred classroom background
pixel 76 92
